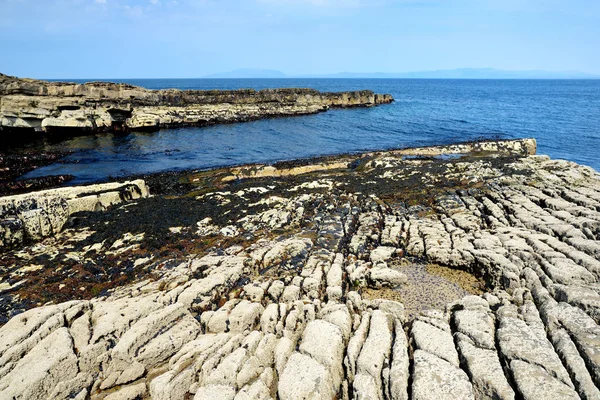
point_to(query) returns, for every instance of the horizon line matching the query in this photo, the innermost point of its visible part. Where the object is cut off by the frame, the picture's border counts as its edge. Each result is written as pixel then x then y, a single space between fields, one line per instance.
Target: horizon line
pixel 591 78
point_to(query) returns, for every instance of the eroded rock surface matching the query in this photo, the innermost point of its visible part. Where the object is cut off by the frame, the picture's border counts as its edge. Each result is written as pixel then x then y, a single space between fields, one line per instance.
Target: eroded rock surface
pixel 256 288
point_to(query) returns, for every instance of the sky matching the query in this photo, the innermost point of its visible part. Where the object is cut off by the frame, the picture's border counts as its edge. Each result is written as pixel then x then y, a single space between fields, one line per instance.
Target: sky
pixel 193 38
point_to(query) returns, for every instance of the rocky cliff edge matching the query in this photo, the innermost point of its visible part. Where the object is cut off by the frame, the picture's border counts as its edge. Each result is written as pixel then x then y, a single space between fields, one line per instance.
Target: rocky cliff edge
pixel 67 108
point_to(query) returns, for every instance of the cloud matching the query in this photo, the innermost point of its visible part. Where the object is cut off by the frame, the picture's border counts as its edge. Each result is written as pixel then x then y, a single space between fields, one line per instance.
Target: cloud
pixel 134 11
pixel 317 3
pixel 100 1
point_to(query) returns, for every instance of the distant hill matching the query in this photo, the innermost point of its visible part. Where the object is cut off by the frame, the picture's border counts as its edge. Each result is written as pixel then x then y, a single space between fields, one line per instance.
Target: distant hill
pixel 460 73
pixel 248 73
pixel 472 73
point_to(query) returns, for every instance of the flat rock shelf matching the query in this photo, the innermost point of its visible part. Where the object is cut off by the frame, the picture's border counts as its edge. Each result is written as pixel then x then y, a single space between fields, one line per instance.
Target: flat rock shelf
pixel 287 281
pixel 30 107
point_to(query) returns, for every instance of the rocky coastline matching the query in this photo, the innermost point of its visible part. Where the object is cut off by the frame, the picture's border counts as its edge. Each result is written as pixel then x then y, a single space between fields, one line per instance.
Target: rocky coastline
pixel 28 106
pixel 467 271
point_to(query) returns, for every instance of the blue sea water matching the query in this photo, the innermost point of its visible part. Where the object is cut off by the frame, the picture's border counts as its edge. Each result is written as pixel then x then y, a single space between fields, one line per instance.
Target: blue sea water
pixel 563 115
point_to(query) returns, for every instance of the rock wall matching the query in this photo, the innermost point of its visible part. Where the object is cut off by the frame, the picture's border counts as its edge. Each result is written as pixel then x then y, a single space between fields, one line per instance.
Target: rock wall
pixel 29 104
pixel 297 296
pixel 34 216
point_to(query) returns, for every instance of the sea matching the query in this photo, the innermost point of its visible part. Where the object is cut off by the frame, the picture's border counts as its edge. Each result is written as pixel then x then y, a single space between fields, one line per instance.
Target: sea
pixel 562 115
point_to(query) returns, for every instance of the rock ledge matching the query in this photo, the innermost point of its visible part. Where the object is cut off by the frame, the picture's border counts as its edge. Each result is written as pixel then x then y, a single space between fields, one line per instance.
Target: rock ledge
pixel 69 108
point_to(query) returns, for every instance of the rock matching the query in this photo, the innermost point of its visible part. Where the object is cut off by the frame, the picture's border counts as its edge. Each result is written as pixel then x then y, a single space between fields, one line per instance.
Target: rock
pixel 256 391
pixel 276 289
pixel 380 277
pixel 374 355
pixel 290 294
pixel 287 253
pixel 435 378
pixel 323 341
pixel 338 315
pixel 142 343
pixel 216 392
pixel 244 316
pixel 50 362
pixel 264 316
pixel 334 275
pixel 269 318
pixel 475 341
pixel 518 343
pixel 534 382
pixel 394 308
pixel 382 253
pixel 485 371
pixel 128 393
pixel 104 106
pixel 305 378
pixel 41 214
pixel 254 293
pixel 399 372
pixel 435 341
pixel 355 344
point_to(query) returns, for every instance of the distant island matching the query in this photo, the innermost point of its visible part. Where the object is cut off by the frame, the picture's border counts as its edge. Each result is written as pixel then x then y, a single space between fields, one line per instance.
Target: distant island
pixel 460 73
pixel 248 73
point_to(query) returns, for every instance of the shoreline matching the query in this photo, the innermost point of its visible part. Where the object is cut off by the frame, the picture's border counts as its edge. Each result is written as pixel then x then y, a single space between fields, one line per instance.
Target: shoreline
pixel 54 181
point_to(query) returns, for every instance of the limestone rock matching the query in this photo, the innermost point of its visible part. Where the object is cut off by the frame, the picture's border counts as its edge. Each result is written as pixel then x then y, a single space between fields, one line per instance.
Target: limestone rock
pixel 435 378
pixel 305 378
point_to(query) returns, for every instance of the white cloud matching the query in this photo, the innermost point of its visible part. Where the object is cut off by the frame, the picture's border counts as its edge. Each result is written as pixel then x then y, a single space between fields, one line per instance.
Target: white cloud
pixel 134 11
pixel 318 3
pixel 100 1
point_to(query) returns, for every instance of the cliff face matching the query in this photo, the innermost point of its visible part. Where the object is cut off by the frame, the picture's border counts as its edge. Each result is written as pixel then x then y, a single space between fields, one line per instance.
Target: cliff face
pixel 102 106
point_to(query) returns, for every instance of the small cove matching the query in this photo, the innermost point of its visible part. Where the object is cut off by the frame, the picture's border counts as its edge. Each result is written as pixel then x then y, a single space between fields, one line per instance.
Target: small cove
pixel 561 114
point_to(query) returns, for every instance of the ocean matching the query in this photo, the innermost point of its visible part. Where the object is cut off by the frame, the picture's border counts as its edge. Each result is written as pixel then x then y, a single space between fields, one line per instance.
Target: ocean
pixel 563 115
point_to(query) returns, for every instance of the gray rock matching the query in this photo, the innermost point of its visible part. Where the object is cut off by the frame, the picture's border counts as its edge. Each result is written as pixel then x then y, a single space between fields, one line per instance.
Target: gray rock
pixel 534 382
pixel 399 373
pixel 374 356
pixel 305 378
pixel 50 362
pixel 435 378
pixel 518 342
pixel 324 342
pixel 435 341
pixel 128 393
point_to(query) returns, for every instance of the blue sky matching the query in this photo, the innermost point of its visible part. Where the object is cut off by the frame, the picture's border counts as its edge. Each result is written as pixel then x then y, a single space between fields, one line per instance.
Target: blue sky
pixel 193 38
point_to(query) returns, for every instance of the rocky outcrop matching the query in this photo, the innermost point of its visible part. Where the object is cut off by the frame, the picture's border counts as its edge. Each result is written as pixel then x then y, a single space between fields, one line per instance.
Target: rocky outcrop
pixel 34 216
pixel 60 107
pixel 274 295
